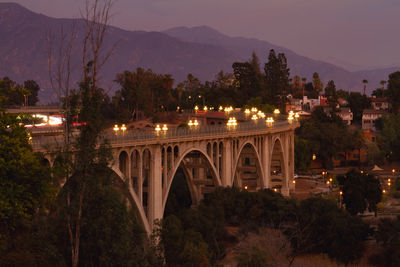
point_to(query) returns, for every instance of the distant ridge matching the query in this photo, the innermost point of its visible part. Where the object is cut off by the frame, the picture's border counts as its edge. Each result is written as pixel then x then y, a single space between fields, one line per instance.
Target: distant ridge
pixel 201 51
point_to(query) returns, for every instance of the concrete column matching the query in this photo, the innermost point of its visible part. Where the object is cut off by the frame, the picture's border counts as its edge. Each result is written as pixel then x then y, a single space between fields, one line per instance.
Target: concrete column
pixel 217 155
pixel 155 187
pixel 266 161
pixel 291 160
pixel 227 163
pixel 285 188
pixel 140 177
pixel 129 169
pixel 165 167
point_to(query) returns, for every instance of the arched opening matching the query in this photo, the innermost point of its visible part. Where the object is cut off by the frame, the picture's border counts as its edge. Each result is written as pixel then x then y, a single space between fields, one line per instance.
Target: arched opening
pixel 60 171
pixel 123 163
pixel 179 197
pixel 146 168
pixel 248 175
pixel 277 168
pixel 135 171
pixel 194 178
pixel 209 149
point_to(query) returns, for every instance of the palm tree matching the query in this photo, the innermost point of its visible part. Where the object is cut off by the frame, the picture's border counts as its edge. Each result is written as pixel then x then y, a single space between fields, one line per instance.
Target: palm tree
pixel 365 84
pixel 383 82
pixel 304 79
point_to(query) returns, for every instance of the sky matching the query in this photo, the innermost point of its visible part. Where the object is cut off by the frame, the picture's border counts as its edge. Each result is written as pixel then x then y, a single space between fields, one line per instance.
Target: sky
pixel 357 34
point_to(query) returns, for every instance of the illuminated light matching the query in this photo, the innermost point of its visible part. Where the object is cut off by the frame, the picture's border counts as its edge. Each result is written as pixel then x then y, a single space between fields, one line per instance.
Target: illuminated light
pixel 254 117
pixel 275 190
pixel 361 171
pixel 245 187
pixel 389 180
pixel 231 122
pixel 291 112
pixel 327 182
pixel 294 181
pixel 196 123
pixel 196 108
pixel 123 127
pixel 277 111
pixel 269 121
pixel 296 115
pixel 165 128
pixel 220 108
pixel 290 118
pixel 116 128
pixel 254 109
pixel 247 111
pixel 330 179
pixel 158 128
pixel 314 157
pixel 341 193
pixel 389 184
pixel 190 123
pixel 393 170
pixel 205 108
pixel 384 191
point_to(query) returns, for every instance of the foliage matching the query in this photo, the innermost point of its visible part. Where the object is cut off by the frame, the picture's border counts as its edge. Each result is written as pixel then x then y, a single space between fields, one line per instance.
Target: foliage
pixel 360 191
pixel 326 136
pixel 388 237
pixel 393 91
pixel 330 93
pixel 317 83
pixel 25 186
pixel 253 258
pixel 321 227
pixel 389 138
pixel 302 153
pixel 276 77
pixel 358 103
pixel 15 94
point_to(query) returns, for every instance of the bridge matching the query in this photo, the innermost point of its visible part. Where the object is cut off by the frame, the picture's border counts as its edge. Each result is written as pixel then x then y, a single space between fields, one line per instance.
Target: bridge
pixel 251 155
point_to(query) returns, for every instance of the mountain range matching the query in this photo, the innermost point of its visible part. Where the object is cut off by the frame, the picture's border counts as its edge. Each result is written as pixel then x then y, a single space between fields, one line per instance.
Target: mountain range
pixel 202 51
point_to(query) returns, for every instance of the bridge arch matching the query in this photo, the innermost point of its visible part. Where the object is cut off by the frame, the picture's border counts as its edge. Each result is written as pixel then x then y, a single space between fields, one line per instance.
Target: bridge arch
pixel 139 207
pixel 248 172
pixel 123 162
pixel 277 165
pixel 188 174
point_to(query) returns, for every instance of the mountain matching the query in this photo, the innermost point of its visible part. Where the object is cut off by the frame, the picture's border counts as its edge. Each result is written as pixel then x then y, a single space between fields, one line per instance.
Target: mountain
pixel 299 65
pixel 201 51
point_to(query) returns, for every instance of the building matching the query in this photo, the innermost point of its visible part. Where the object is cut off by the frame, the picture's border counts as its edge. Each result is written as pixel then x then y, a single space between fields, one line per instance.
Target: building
pixel 380 103
pixel 369 117
pixel 343 112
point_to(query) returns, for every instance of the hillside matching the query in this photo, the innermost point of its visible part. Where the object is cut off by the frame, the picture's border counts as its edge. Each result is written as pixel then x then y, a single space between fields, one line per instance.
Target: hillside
pixel 201 51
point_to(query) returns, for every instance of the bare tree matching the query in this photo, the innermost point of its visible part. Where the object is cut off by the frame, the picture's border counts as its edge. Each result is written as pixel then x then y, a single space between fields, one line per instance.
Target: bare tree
pixel 96 17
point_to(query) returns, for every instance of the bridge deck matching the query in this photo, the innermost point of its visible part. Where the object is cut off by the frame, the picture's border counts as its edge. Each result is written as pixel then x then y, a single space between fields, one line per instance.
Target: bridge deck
pixel 134 137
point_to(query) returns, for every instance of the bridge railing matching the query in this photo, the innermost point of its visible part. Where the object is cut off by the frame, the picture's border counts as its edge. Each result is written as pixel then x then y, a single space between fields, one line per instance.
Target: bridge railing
pixel 42 142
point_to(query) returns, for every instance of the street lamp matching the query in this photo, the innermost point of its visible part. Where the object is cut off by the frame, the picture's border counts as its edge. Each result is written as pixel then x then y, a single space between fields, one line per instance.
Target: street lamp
pixel 277 112
pixel 116 128
pixel 165 128
pixel 196 108
pixel 123 128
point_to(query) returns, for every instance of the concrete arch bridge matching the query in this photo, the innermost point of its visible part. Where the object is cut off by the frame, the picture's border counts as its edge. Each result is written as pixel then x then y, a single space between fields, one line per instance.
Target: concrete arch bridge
pixel 251 156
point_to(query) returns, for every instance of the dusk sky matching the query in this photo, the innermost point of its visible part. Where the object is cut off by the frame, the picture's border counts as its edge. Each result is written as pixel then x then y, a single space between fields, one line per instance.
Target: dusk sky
pixel 362 33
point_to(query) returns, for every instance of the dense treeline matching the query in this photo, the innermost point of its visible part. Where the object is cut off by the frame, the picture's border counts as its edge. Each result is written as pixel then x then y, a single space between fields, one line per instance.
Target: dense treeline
pixel 316 225
pixel 18 95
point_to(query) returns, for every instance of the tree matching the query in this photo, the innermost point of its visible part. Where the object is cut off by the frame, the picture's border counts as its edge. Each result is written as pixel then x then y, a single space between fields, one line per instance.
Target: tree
pixel 388 237
pixel 360 191
pixel 365 85
pixel 317 83
pixel 276 77
pixel 383 82
pixel 330 93
pixel 326 135
pixel 379 92
pixel 357 104
pixel 393 91
pixel 389 138
pixel 320 227
pixel 33 89
pixel 247 80
pixel 25 184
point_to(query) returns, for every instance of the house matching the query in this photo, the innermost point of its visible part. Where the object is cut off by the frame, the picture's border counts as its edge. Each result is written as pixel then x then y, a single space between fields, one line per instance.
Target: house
pixel 343 112
pixel 379 103
pixel 369 117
